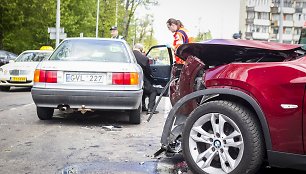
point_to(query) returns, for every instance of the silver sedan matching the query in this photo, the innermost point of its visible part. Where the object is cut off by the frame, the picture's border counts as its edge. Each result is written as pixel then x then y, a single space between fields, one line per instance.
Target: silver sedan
pixel 88 74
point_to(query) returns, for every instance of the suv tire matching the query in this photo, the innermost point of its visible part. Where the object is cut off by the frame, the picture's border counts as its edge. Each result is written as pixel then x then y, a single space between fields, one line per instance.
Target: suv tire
pixel 135 115
pixel 44 113
pixel 222 137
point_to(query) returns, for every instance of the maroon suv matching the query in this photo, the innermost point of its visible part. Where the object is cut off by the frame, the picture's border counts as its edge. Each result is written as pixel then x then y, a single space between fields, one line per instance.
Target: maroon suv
pixel 236 104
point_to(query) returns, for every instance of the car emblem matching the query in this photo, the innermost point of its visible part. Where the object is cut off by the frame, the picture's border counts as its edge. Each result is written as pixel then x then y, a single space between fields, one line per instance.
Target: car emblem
pixel 217 144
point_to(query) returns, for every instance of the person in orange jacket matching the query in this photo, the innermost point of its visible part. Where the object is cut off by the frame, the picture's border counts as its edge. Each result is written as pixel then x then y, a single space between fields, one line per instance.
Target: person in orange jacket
pixel 181 36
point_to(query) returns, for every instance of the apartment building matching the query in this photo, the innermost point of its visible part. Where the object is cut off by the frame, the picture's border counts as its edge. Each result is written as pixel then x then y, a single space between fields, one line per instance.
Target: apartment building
pixel 260 19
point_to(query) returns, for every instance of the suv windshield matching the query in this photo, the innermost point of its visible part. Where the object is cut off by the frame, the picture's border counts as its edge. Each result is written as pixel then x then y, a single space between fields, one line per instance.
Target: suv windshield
pixel 32 56
pixel 91 50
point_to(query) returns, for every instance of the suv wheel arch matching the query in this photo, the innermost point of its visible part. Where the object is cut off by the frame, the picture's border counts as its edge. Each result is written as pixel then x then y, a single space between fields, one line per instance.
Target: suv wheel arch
pixel 209 92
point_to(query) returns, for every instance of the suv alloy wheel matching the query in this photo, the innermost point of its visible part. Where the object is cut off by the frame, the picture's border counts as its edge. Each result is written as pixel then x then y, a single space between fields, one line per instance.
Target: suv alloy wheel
pixel 222 137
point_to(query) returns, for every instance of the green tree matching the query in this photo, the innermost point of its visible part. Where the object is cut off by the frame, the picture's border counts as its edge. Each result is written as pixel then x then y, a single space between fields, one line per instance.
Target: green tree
pixel 130 8
pixel 203 36
pixel 24 25
pixel 108 16
pixel 144 31
pixel 78 17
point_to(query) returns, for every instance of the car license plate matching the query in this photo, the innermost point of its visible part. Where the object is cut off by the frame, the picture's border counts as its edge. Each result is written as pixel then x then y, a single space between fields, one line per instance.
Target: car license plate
pixel 89 78
pixel 18 79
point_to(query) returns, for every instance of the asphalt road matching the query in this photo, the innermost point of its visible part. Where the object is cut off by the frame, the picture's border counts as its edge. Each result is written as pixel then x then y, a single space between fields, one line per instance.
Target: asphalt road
pixel 99 142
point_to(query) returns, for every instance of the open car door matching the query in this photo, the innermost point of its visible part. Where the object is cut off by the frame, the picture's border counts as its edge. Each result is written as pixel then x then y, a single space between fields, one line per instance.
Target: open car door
pixel 161 60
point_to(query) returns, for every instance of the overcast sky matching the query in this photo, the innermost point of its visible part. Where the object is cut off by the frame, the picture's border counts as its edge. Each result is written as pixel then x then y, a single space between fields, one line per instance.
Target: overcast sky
pixel 221 17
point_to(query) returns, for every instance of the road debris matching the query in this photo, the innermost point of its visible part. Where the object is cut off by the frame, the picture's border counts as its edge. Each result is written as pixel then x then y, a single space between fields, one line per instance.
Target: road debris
pixel 112 127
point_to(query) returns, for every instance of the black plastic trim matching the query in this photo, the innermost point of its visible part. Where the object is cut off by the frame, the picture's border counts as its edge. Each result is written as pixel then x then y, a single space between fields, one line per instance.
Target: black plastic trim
pixel 286 160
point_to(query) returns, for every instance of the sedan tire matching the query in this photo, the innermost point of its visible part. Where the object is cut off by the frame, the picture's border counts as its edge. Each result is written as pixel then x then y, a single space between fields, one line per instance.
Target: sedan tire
pixel 135 115
pixel 45 113
pixel 5 88
pixel 222 137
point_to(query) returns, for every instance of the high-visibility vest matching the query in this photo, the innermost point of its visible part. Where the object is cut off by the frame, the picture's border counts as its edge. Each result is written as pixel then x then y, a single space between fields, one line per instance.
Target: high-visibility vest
pixel 181 37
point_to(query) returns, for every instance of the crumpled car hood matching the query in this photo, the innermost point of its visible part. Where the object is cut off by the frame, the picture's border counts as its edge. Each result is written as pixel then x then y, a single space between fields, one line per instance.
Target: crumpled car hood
pixel 224 51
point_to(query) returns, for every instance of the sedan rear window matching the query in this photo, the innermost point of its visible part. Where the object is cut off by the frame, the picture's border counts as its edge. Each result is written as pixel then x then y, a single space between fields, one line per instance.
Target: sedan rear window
pixel 91 50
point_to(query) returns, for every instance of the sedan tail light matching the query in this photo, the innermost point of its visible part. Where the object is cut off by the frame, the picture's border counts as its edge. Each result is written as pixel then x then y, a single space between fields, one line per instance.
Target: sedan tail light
pixel 45 76
pixel 130 78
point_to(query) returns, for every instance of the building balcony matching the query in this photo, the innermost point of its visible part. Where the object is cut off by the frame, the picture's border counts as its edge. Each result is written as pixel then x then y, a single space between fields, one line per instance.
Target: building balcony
pixel 287 37
pixel 298 23
pixel 288 10
pixel 288 23
pixel 260 36
pixel 296 37
pixel 248 35
pixel 274 9
pixel 273 36
pixel 262 22
pixel 249 21
pixel 262 8
pixel 249 9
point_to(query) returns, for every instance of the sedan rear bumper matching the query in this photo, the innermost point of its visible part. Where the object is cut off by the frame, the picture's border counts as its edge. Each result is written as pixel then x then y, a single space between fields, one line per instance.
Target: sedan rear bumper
pixel 18 84
pixel 104 100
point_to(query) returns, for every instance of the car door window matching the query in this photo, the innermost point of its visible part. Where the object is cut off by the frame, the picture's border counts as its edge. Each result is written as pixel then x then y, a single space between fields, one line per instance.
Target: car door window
pixel 161 60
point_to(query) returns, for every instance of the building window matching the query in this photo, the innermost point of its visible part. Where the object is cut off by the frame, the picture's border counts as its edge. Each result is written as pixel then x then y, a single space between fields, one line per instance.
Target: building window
pixel 262 15
pixel 261 29
pixel 275 17
pixel 287 30
pixel 287 3
pixel 250 15
pixel 250 28
pixel 299 16
pixel 275 30
pixel 297 31
pixel 276 3
pixel 257 28
pixel 288 17
pixel 265 29
pixel 299 4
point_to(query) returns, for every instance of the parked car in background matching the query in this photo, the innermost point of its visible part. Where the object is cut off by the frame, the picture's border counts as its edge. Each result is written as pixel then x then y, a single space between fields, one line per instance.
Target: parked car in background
pixel 6 56
pixel 236 104
pixel 88 74
pixel 20 72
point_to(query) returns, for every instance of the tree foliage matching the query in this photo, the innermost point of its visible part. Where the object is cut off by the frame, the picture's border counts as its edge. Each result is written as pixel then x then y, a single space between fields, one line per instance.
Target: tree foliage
pixel 130 8
pixel 203 36
pixel 24 24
